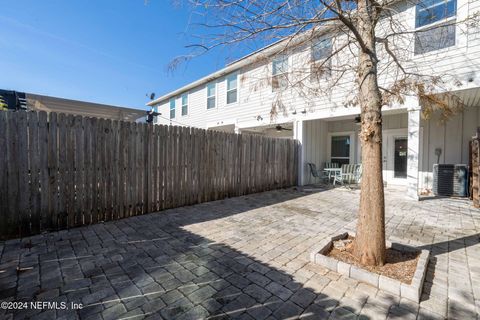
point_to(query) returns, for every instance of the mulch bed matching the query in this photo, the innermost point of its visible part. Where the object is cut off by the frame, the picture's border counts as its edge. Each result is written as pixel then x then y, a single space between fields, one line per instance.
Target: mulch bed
pixel 400 265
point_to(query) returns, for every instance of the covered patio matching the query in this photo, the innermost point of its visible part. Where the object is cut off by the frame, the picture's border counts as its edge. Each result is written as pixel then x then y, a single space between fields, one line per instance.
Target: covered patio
pixel 243 258
pixel 335 141
pixel 411 144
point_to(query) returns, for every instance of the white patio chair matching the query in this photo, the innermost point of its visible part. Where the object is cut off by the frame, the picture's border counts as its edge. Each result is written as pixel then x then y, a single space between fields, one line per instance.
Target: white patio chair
pixel 349 174
pixel 331 165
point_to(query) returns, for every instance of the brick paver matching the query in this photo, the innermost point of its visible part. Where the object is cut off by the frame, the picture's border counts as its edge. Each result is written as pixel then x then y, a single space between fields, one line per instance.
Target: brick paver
pixel 245 258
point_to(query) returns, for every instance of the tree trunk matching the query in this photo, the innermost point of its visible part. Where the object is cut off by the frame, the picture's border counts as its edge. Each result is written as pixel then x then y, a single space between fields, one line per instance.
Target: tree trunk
pixel 370 236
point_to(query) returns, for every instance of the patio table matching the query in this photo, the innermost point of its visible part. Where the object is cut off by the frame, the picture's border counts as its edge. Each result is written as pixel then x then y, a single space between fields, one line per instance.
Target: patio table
pixel 332 172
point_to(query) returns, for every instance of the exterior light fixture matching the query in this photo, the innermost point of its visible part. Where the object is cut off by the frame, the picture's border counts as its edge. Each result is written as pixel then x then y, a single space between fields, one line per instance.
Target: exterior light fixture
pixel 358 120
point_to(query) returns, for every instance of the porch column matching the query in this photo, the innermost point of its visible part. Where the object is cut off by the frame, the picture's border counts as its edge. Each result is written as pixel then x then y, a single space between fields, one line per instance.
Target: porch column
pixel 414 110
pixel 298 135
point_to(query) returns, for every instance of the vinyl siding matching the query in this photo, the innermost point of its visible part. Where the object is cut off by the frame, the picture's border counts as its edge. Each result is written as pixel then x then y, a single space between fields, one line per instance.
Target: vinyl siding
pixel 256 98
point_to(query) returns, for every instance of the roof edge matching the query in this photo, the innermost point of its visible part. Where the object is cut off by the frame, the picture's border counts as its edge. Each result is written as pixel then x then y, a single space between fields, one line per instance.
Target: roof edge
pixel 237 64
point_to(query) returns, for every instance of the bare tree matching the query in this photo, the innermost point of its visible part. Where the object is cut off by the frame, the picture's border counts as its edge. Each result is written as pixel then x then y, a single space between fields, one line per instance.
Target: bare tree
pixel 372 47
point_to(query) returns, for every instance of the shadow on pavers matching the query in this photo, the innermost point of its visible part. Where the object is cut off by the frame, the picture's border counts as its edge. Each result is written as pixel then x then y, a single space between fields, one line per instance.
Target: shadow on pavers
pixel 150 267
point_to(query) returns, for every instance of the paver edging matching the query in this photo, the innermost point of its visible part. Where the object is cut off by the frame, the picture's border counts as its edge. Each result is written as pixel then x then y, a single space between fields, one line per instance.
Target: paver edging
pixel 411 291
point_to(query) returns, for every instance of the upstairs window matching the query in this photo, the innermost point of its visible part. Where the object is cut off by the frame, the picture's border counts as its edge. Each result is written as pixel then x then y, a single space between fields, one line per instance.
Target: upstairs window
pixel 434 21
pixel 232 92
pixel 431 11
pixel 184 104
pixel 320 67
pixel 172 108
pixel 321 49
pixel 280 73
pixel 211 95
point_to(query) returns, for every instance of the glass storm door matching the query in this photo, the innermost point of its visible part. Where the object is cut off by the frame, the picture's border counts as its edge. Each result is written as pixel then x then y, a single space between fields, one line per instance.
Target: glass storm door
pixel 400 158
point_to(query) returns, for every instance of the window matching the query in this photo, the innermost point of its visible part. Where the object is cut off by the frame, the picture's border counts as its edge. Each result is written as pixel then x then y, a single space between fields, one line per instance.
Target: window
pixel 320 68
pixel 211 95
pixel 279 73
pixel 184 104
pixel 340 150
pixel 172 108
pixel 442 35
pixel 321 49
pixel 232 92
pixel 431 11
pixel 434 39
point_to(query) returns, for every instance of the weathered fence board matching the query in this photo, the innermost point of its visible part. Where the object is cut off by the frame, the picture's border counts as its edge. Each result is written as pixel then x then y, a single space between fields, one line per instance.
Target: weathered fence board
pixel 34 160
pixel 11 217
pixel 59 171
pixel 23 172
pixel 53 177
pixel 3 173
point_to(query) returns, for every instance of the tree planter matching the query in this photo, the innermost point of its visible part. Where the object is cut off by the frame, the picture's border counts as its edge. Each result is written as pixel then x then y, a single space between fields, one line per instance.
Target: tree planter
pixel 411 291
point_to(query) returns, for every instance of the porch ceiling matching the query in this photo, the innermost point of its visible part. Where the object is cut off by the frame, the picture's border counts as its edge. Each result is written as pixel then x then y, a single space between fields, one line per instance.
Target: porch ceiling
pixel 470 97
pixel 353 116
pixel 271 127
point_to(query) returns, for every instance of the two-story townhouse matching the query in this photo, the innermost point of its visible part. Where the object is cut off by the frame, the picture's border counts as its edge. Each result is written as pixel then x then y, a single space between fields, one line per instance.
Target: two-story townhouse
pixel 252 95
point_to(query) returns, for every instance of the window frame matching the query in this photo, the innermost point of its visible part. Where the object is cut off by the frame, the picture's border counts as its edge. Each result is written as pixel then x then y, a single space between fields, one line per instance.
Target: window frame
pixel 433 26
pixel 316 43
pixel 214 83
pixel 315 77
pixel 184 95
pixel 447 17
pixel 174 103
pixel 235 74
pixel 351 150
pixel 283 74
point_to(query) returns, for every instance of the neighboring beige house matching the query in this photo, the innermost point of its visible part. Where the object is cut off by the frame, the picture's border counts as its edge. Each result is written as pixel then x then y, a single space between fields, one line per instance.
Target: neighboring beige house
pixel 39 102
pixel 239 98
pixel 82 108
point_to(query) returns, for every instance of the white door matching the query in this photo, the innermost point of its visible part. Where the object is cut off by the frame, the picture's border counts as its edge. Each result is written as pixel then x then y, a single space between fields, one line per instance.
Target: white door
pixel 394 154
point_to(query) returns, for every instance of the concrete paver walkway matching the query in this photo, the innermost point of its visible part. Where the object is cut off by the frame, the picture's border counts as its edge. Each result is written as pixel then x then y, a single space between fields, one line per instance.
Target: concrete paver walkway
pixel 242 258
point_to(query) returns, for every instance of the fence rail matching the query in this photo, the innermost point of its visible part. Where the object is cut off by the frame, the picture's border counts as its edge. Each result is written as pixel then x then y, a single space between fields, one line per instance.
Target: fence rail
pixel 59 171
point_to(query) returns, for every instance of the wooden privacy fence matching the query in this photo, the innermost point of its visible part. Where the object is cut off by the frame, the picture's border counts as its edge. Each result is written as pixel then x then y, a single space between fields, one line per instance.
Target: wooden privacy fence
pixel 60 171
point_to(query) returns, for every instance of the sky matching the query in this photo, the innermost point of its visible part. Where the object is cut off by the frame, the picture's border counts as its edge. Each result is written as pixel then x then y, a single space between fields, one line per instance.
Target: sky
pixel 106 51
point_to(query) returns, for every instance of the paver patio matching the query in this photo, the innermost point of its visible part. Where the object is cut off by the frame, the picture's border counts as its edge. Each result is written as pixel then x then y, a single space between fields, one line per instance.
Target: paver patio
pixel 245 258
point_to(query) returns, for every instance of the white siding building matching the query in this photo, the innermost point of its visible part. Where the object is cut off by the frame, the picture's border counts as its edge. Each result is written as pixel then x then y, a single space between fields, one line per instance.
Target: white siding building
pixel 241 97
